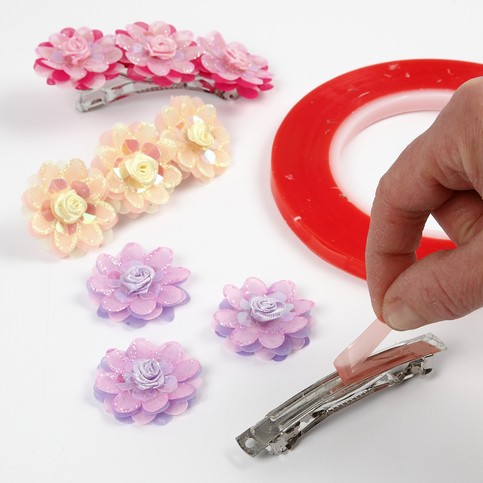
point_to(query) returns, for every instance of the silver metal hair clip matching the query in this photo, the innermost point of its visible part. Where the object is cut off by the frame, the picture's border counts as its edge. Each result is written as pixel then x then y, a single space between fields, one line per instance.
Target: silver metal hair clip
pixel 282 427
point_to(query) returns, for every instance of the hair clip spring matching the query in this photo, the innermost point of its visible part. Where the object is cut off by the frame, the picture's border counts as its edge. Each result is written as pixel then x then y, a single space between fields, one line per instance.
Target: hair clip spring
pixel 145 58
pixel 282 427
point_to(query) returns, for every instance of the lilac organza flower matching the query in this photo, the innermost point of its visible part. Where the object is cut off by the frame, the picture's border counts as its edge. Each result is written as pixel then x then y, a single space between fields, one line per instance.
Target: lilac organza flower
pixel 137 286
pixel 270 322
pixel 158 52
pixel 232 67
pixel 82 58
pixel 147 383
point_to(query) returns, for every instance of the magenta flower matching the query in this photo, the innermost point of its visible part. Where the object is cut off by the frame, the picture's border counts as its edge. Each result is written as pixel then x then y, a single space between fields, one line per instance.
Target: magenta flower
pixel 268 321
pixel 232 67
pixel 83 58
pixel 137 286
pixel 147 383
pixel 158 52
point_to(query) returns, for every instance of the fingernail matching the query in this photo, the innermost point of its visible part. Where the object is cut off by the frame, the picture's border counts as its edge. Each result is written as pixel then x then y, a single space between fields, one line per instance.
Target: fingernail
pixel 400 316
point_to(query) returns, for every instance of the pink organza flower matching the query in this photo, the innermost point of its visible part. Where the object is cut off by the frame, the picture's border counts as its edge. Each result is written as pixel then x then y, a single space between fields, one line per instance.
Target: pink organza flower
pixel 147 383
pixel 137 164
pixel 137 286
pixel 232 67
pixel 158 52
pixel 201 141
pixel 270 322
pixel 83 58
pixel 66 207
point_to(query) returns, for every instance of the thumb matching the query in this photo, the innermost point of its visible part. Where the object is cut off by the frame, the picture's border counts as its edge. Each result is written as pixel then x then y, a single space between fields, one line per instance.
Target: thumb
pixel 444 285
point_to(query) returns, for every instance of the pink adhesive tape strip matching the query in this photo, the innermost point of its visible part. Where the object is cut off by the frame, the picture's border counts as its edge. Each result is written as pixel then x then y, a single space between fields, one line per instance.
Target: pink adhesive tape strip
pixel 360 349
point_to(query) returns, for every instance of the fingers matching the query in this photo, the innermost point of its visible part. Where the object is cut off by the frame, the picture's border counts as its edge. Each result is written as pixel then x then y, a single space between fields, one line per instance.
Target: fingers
pixel 443 286
pixel 441 173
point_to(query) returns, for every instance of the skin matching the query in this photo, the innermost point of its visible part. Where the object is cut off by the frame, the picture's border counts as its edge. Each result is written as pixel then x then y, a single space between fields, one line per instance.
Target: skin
pixel 439 173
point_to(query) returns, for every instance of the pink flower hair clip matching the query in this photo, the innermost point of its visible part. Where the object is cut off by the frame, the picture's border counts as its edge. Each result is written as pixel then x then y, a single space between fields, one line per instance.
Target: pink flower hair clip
pixel 135 170
pixel 148 57
pixel 147 383
pixel 135 286
pixel 269 321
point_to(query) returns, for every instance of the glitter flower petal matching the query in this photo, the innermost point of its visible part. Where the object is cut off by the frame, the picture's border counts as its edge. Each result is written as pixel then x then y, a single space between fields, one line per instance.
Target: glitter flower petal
pixel 137 286
pixel 82 58
pixel 66 206
pixel 146 383
pixel 265 320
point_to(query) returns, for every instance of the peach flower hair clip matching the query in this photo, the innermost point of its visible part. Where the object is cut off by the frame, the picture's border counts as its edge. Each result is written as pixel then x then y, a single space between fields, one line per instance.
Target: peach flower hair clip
pixel 72 207
pixel 148 57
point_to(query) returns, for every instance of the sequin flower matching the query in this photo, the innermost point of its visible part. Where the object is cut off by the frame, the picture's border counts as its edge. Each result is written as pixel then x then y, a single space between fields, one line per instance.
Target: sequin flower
pixel 66 207
pixel 138 168
pixel 82 58
pixel 137 286
pixel 147 383
pixel 201 142
pixel 270 322
pixel 158 52
pixel 232 67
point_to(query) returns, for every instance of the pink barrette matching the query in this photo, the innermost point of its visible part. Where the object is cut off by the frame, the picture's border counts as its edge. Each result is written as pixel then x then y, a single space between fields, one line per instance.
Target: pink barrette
pixel 135 170
pixel 270 322
pixel 137 286
pixel 147 383
pixel 145 58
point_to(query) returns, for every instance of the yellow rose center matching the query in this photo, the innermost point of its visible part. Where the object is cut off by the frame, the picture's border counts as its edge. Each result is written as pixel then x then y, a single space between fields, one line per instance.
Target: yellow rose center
pixel 141 168
pixel 68 206
pixel 200 134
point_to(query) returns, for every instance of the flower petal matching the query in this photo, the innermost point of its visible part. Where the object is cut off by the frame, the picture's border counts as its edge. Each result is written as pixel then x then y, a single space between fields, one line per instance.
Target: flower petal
pixel 107 263
pixel 175 275
pixel 186 369
pixel 157 404
pixel 271 340
pixel 170 352
pixel 142 306
pixel 40 226
pixel 253 287
pixel 175 409
pixel 183 391
pixel 132 251
pixel 242 336
pixel 124 403
pixel 141 349
pixel 227 317
pixel 107 382
pixel 105 214
pixel 157 194
pixel 64 243
pixel 159 258
pixel 302 306
pixel 35 196
pixel 48 172
pixel 110 304
pixel 294 325
pixel 287 287
pixel 233 295
pixel 143 417
pixel 115 360
pixel 90 235
pixel 75 170
pixel 170 295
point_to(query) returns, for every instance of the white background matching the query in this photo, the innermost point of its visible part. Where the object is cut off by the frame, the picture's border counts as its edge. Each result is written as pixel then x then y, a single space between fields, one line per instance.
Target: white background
pixel 51 427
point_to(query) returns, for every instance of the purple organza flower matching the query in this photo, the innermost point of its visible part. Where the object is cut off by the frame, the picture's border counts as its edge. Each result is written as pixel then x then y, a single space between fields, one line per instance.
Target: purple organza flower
pixel 232 67
pixel 83 58
pixel 158 52
pixel 147 383
pixel 137 286
pixel 270 322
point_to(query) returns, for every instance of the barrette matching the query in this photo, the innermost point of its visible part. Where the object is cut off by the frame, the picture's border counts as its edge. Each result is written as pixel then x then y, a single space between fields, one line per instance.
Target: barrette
pixel 136 168
pixel 145 58
pixel 147 383
pixel 136 286
pixel 268 321
pixel 283 427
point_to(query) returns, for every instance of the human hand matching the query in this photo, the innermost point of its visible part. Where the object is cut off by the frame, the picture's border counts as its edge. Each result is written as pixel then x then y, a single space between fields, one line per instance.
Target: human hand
pixel 440 173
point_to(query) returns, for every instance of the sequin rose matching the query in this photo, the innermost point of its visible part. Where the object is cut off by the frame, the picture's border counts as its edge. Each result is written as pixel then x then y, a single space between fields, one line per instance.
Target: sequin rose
pixel 158 52
pixel 66 207
pixel 232 67
pixel 83 58
pixel 270 322
pixel 138 167
pixel 202 143
pixel 147 383
pixel 137 286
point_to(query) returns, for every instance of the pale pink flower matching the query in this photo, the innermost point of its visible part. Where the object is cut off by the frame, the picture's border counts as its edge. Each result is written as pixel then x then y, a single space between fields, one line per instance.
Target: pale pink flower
pixel 66 207
pixel 81 58
pixel 158 52
pixel 269 321
pixel 138 166
pixel 147 383
pixel 201 141
pixel 232 67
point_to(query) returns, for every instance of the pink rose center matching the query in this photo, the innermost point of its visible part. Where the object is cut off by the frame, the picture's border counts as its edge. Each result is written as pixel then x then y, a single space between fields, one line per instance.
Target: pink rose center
pixel 162 47
pixel 77 49
pixel 237 58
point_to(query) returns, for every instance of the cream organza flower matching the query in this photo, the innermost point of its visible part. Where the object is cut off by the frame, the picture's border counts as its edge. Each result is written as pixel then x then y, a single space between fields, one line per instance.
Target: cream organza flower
pixel 138 167
pixel 201 141
pixel 67 207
